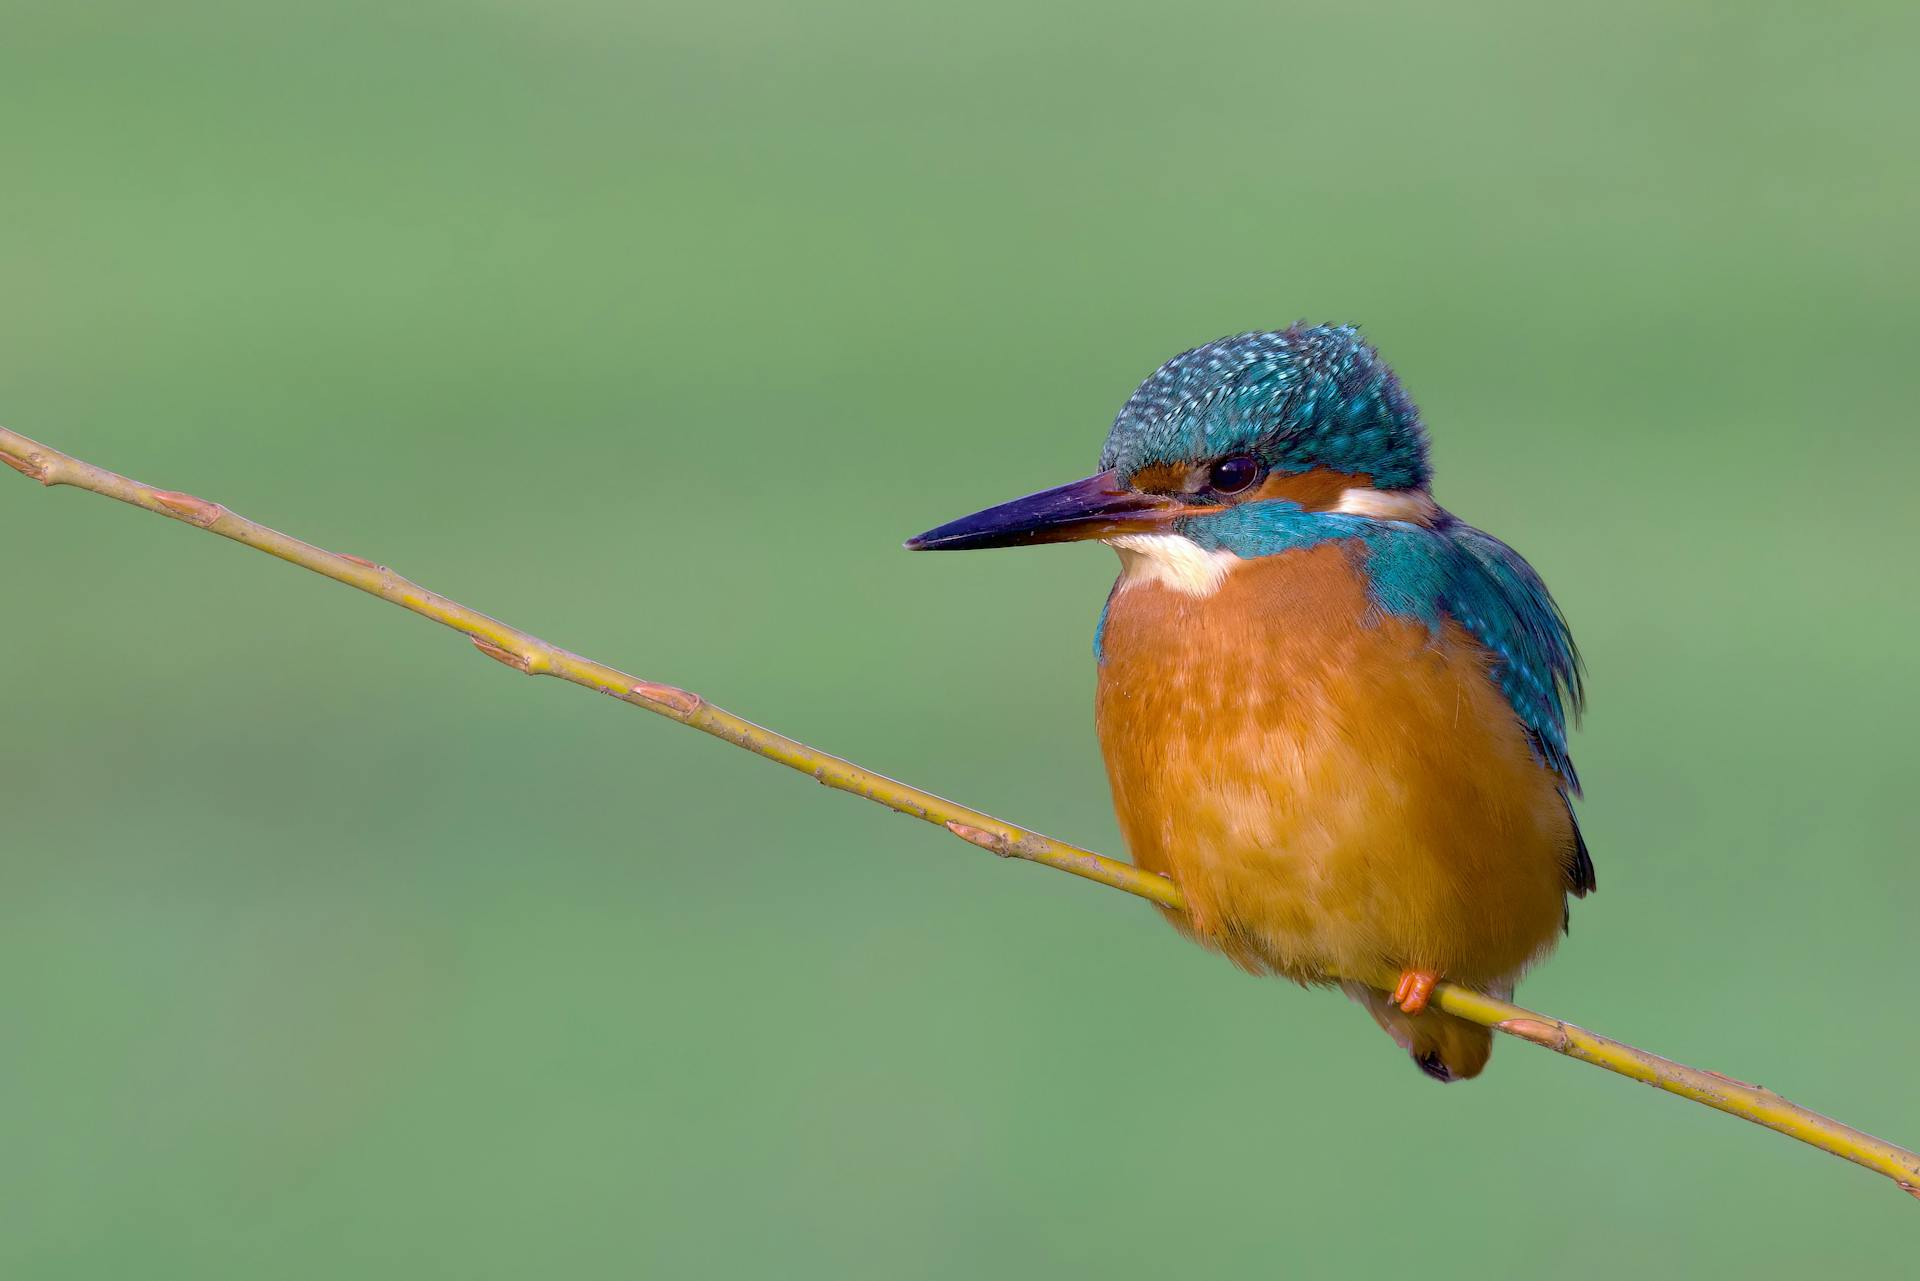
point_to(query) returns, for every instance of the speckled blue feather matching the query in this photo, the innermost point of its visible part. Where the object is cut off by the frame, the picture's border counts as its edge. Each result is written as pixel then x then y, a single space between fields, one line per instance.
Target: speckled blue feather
pixel 1305 397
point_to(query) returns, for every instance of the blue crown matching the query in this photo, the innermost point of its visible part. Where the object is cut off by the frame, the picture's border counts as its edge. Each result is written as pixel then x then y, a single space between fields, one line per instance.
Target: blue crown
pixel 1305 397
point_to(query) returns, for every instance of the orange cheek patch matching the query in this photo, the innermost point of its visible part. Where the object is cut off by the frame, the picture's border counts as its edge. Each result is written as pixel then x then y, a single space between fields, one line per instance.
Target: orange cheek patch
pixel 1317 490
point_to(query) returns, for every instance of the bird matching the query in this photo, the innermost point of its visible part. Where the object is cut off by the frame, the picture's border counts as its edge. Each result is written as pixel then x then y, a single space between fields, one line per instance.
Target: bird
pixel 1333 714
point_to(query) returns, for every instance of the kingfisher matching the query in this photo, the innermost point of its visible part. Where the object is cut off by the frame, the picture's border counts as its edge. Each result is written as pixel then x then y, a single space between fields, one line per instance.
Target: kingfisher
pixel 1333 713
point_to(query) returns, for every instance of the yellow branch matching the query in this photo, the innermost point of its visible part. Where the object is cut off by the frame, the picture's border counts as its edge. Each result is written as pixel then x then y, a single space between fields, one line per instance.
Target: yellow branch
pixel 530 654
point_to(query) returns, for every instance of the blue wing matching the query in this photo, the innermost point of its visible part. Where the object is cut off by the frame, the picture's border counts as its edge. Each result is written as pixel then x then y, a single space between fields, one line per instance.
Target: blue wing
pixel 1489 589
pixel 1483 584
pixel 1493 593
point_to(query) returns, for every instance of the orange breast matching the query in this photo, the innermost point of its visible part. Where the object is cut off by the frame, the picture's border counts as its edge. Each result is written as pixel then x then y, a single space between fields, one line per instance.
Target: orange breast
pixel 1336 793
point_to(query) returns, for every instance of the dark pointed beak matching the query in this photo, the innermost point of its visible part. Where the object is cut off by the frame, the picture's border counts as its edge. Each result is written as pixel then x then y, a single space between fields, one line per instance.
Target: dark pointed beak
pixel 1097 507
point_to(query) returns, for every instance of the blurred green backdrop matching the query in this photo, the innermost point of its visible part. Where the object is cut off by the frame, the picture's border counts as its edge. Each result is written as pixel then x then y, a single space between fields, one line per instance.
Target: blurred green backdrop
pixel 331 950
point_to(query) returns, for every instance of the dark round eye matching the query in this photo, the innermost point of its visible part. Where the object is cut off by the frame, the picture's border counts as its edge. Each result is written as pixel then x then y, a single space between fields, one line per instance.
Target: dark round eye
pixel 1232 474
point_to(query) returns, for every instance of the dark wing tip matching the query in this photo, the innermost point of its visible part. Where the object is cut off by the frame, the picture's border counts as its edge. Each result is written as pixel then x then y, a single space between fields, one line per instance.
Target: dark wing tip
pixel 1580 876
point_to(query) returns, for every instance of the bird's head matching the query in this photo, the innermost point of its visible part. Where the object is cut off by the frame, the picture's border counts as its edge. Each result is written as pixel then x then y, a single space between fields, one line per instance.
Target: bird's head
pixel 1308 419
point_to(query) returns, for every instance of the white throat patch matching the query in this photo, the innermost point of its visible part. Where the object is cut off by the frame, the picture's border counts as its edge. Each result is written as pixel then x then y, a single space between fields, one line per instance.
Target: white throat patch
pixel 1172 561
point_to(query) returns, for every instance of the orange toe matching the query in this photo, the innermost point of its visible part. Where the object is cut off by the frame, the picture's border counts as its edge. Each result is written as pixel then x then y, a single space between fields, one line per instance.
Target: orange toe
pixel 1414 989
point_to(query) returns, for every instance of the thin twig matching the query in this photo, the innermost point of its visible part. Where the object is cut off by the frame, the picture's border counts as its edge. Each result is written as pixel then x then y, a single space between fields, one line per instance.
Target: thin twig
pixel 530 654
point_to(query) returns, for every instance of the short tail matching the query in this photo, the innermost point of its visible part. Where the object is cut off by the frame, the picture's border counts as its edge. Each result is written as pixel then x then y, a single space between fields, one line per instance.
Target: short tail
pixel 1442 1046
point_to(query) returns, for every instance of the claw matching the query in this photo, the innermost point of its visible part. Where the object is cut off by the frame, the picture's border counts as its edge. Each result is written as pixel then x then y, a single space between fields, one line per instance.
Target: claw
pixel 1414 989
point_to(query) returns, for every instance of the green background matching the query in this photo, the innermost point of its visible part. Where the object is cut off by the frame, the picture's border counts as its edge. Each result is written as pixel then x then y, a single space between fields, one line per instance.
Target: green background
pixel 329 948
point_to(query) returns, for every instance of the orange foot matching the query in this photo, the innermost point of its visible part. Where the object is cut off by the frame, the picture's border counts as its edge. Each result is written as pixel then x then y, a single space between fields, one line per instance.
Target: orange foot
pixel 1415 987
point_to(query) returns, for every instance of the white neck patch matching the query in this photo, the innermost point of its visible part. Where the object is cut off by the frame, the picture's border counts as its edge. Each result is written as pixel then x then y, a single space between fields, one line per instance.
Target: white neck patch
pixel 1413 505
pixel 1173 561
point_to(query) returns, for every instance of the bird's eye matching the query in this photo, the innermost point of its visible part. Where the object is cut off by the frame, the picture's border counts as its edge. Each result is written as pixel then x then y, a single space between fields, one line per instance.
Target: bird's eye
pixel 1232 474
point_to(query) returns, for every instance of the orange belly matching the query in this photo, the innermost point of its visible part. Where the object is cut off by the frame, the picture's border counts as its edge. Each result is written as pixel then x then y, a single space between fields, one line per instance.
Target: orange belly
pixel 1338 794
